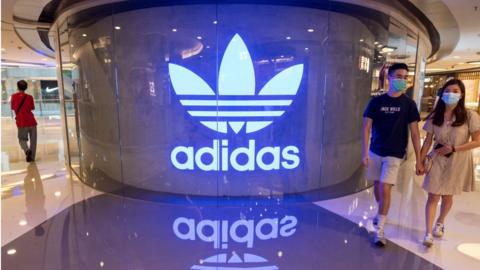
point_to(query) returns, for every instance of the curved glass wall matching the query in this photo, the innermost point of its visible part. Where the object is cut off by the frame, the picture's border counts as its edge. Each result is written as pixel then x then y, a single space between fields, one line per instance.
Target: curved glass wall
pixel 225 100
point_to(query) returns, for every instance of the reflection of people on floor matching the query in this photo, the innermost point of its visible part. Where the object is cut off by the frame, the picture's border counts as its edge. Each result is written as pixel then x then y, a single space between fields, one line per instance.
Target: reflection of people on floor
pixel 34 198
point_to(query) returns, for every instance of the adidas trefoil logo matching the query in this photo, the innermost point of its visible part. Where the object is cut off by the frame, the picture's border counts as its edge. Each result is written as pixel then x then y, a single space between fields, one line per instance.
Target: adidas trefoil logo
pixel 235 262
pixel 236 79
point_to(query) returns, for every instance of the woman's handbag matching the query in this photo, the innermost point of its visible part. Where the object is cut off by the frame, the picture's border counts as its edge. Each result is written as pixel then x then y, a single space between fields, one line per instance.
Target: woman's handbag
pixel 428 162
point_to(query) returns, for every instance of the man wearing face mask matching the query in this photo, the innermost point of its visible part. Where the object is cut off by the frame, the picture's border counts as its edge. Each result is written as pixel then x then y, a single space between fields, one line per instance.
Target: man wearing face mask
pixel 389 117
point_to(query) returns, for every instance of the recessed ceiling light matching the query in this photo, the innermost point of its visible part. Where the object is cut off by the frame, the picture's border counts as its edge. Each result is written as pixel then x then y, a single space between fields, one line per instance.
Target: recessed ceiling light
pixel 310 30
pixel 375 43
pixel 215 22
pixel 174 30
pixel 84 35
pixel 387 49
pixel 117 27
pixel 361 40
pixel 11 251
pixel 288 38
pixel 199 37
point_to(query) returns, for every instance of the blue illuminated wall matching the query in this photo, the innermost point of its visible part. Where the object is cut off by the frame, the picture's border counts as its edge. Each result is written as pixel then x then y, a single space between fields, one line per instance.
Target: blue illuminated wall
pixel 202 102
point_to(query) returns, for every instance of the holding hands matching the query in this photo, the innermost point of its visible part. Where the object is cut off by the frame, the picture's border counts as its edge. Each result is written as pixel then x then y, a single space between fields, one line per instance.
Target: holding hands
pixel 420 168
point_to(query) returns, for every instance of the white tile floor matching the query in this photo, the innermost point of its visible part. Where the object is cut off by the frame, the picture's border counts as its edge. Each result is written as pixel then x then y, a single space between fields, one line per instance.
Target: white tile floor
pixel 460 247
pixel 27 203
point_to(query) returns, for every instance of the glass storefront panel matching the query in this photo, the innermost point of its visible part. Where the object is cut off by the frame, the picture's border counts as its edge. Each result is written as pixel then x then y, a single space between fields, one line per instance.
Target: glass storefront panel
pixel 152 121
pixel 94 100
pixel 69 98
pixel 189 99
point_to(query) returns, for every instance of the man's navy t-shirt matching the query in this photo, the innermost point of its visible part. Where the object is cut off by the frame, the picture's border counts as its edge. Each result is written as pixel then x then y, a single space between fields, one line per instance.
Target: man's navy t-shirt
pixel 391 117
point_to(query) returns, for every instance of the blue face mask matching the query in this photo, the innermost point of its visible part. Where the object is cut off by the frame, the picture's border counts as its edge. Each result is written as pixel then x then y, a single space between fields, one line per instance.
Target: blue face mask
pixel 398 85
pixel 451 98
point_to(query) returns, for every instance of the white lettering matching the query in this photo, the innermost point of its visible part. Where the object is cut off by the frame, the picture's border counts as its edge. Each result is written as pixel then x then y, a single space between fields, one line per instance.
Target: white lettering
pixel 190 234
pixel 273 223
pixel 219 157
pixel 289 223
pixel 248 237
pixel 289 153
pixel 249 152
pixel 242 231
pixel 187 165
pixel 275 152
pixel 213 166
pixel 213 237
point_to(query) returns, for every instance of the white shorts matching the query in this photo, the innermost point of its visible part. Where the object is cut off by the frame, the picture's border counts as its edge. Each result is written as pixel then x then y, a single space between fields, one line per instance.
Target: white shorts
pixel 383 169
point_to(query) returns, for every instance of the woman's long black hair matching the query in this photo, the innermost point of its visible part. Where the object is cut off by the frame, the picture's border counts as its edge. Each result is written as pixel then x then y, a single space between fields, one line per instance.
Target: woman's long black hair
pixel 460 112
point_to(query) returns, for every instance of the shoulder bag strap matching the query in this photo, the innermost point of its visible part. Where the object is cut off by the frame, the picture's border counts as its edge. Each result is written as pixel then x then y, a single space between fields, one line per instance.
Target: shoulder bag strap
pixel 21 104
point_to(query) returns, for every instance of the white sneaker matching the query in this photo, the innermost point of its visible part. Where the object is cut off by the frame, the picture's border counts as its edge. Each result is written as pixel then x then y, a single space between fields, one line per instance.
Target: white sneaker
pixel 428 240
pixel 379 238
pixel 438 230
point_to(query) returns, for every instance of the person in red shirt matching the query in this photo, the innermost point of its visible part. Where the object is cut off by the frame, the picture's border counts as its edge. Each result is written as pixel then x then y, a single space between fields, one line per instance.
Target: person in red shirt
pixel 23 106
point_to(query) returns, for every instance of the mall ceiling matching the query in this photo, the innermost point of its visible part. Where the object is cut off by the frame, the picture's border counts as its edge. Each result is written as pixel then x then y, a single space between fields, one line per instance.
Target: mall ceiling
pixel 464 29
pixel 457 21
pixel 21 42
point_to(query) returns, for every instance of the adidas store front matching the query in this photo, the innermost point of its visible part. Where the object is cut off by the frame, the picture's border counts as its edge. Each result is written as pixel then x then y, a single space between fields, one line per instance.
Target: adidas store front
pixel 212 126
pixel 226 99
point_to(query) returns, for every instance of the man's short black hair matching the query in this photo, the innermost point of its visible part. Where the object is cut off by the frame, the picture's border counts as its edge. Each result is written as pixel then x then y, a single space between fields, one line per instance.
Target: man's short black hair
pixel 396 66
pixel 22 85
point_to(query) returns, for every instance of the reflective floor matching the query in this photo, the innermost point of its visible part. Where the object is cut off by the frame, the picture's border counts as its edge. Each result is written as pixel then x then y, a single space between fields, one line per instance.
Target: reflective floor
pixel 458 249
pixel 112 232
pixel 50 141
pixel 50 220
pixel 36 193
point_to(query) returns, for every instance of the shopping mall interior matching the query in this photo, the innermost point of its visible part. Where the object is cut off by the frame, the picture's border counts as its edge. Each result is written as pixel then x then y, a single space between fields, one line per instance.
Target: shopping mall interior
pixel 229 134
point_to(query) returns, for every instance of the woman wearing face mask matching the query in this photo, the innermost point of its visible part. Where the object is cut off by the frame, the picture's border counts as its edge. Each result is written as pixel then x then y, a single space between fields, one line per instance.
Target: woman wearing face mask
pixel 450 126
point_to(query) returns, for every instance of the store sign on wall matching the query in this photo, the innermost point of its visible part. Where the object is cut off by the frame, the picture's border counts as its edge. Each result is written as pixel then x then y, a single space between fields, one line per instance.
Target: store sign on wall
pixel 224 112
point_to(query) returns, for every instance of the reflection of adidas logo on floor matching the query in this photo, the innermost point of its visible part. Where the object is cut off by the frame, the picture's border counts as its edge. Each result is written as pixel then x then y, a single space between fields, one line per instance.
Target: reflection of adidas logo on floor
pixel 235 262
pixel 236 79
